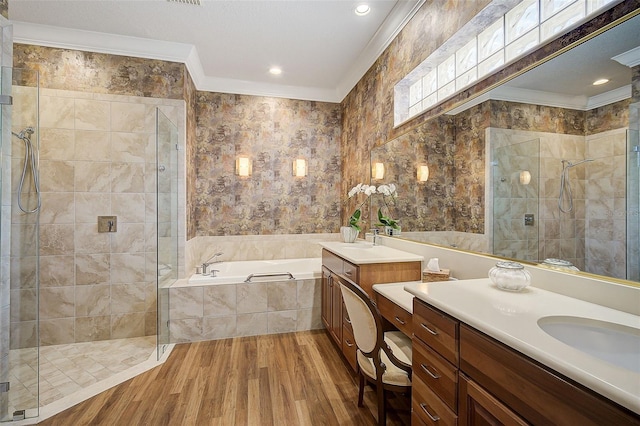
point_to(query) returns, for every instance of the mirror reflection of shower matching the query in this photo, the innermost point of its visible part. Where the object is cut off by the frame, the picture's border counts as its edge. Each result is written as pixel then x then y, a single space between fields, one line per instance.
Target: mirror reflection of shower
pixel 30 161
pixel 565 199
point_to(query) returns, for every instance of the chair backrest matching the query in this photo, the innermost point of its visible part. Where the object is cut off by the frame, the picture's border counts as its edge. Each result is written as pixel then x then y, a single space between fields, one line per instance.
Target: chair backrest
pixel 364 315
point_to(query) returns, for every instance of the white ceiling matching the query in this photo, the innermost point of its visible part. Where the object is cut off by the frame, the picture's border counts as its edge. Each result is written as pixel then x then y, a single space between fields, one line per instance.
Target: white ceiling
pixel 228 46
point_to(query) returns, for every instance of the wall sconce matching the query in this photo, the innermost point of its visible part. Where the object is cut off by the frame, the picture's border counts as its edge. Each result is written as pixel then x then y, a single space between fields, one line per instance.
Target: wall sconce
pixel 243 166
pixel 377 171
pixel 423 173
pixel 525 177
pixel 300 167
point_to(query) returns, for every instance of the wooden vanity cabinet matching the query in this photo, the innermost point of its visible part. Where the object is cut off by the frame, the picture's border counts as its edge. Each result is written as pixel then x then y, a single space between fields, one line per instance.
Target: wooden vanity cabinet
pixel 462 376
pixel 435 366
pixel 334 314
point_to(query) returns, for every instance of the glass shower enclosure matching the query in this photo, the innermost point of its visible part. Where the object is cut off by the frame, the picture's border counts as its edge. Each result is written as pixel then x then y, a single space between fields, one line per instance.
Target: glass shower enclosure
pixel 19 258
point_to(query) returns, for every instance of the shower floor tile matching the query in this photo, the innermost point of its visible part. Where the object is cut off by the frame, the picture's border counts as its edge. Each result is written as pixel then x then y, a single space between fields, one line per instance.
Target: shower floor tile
pixel 66 369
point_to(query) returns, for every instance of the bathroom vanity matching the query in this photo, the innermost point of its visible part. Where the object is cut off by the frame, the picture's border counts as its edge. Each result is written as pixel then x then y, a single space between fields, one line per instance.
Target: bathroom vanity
pixel 486 356
pixel 366 265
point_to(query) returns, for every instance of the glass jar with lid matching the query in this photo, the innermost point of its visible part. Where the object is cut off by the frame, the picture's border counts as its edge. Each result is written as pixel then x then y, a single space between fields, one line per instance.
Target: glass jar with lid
pixel 510 276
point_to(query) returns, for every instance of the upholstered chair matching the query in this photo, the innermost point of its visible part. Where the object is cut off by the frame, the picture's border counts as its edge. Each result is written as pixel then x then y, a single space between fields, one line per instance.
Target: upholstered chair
pixel 384 358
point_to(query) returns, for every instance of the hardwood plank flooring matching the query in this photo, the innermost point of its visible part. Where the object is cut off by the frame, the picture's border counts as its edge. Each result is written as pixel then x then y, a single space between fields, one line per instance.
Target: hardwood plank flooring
pixel 282 379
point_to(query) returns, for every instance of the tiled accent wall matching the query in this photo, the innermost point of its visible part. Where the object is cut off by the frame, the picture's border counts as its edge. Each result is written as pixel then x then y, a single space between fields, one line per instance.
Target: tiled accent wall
pixel 272 132
pixel 97 157
pixel 244 309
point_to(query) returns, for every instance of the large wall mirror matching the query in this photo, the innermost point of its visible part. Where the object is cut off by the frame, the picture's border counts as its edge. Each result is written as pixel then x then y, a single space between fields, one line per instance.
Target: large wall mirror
pixel 545 166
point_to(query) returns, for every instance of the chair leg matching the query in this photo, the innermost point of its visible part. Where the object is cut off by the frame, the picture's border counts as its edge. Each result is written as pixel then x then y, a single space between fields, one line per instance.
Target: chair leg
pixel 361 391
pixel 382 415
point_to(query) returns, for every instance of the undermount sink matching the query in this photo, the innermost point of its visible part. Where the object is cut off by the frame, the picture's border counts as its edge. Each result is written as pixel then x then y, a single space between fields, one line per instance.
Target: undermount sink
pixel 613 343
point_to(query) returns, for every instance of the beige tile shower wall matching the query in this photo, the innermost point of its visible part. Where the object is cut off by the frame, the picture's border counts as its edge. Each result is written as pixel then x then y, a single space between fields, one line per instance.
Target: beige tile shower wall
pixel 605 227
pixel 97 157
pixel 561 235
pixel 255 247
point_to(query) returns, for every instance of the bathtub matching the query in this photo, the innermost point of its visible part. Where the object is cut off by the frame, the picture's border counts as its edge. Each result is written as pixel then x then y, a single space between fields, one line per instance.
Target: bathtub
pixel 238 271
pixel 210 308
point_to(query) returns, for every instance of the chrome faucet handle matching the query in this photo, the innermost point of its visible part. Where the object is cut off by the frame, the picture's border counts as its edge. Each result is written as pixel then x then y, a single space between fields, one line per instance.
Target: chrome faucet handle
pixel 375 232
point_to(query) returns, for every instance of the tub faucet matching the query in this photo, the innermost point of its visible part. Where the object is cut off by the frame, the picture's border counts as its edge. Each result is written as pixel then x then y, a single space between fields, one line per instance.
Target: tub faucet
pixel 210 261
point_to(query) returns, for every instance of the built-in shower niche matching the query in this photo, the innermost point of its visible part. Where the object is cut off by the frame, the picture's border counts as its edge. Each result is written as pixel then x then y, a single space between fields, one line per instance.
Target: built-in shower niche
pixel 526 178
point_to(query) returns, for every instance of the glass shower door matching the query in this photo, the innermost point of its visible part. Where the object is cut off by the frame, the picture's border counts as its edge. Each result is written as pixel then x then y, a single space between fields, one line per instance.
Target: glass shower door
pixel 19 260
pixel 516 181
pixel 167 220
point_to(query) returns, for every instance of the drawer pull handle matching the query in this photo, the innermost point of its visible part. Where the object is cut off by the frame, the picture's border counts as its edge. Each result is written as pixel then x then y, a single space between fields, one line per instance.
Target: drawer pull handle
pixel 348 320
pixel 431 416
pixel 347 273
pixel 434 376
pixel 400 321
pixel 435 333
pixel 348 342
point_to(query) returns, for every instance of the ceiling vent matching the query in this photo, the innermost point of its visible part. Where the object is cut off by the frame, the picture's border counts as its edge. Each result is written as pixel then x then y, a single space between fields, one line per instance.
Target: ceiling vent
pixel 193 2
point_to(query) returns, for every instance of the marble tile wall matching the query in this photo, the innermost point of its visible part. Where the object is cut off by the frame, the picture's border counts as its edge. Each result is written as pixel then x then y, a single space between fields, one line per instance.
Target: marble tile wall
pixel 244 309
pixel 97 157
pixel 272 133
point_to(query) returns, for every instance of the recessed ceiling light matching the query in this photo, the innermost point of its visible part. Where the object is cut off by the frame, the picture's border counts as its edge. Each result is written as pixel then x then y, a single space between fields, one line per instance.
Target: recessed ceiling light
pixel 600 81
pixel 275 70
pixel 362 9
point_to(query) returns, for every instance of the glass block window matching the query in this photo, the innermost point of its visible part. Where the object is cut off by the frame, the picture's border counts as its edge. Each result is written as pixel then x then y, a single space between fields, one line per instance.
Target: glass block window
pixel 505 39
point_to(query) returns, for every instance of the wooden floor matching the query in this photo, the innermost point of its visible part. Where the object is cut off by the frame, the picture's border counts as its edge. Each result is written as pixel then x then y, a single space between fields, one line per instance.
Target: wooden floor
pixel 284 379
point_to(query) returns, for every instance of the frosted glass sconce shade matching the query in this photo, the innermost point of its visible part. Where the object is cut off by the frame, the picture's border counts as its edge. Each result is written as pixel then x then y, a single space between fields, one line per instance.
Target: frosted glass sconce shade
pixel 300 167
pixel 243 166
pixel 525 177
pixel 423 173
pixel 377 171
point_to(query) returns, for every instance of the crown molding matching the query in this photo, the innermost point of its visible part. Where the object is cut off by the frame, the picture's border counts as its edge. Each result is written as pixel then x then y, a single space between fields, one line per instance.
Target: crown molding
pixel 537 97
pixel 630 58
pixel 400 15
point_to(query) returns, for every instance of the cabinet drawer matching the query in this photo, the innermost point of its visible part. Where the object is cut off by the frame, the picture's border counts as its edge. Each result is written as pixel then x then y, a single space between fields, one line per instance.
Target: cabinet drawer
pixel 429 407
pixel 395 315
pixel 436 372
pixel 331 261
pixel 436 330
pixel 351 271
pixel 349 348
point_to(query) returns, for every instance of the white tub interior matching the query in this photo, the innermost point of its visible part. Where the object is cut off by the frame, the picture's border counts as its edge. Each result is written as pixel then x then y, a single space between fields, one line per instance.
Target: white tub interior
pixel 239 271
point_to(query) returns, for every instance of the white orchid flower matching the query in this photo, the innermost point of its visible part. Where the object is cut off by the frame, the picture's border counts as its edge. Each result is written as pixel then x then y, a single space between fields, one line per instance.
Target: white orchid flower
pixel 368 190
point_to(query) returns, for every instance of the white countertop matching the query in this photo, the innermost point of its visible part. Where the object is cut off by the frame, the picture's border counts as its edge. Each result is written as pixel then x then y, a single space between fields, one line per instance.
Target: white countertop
pixel 363 252
pixel 396 293
pixel 511 318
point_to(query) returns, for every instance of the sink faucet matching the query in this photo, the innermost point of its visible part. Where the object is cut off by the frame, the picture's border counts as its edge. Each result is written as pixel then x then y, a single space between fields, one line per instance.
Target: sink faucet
pixel 374 232
pixel 210 261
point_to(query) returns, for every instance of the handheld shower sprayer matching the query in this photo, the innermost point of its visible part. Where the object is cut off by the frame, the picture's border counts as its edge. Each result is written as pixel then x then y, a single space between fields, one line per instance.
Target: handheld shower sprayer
pixel 30 160
pixel 565 185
